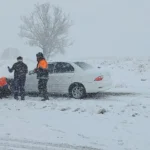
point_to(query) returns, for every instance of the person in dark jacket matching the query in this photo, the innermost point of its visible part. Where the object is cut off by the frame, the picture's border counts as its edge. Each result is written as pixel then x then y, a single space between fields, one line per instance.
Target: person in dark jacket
pixel 20 70
pixel 42 75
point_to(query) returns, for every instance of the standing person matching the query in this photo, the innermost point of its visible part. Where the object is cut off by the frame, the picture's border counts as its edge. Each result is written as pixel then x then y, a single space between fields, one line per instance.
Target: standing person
pixel 42 75
pixel 20 70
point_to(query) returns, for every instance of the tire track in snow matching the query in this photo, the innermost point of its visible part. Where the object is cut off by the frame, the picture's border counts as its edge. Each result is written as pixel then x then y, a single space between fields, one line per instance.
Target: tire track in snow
pixel 15 144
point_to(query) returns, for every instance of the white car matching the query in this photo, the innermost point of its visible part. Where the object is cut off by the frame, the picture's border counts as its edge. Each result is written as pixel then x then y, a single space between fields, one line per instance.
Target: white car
pixel 73 78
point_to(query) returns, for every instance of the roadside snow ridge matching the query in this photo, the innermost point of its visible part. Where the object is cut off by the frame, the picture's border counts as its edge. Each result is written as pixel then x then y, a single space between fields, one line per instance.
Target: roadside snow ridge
pixel 17 144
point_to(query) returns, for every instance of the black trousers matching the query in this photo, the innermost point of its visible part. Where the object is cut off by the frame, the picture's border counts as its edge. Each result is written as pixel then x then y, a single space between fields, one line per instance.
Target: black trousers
pixel 4 91
pixel 42 87
pixel 19 87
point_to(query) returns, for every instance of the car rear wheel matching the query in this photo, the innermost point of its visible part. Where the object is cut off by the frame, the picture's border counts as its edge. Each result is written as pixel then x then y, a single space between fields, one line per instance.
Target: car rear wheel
pixel 77 91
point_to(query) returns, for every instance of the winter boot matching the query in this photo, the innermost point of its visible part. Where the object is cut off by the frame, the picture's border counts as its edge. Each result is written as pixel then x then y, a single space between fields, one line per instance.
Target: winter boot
pixel 16 96
pixel 22 98
pixel 45 98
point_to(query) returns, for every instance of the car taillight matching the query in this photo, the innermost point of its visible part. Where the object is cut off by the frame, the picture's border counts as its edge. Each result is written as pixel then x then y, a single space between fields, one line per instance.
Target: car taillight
pixel 98 78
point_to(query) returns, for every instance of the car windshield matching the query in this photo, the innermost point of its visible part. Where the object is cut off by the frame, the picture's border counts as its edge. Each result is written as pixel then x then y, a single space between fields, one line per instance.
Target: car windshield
pixel 84 66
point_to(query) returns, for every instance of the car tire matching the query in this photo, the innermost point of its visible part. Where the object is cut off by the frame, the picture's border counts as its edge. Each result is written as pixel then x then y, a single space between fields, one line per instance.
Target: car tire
pixel 77 91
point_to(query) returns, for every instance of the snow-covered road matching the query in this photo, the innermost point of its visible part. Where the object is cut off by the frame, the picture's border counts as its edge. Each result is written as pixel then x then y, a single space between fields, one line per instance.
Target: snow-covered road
pixel 70 124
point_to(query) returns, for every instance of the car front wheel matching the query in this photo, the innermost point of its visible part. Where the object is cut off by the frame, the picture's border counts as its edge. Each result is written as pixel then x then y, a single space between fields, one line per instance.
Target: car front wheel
pixel 77 91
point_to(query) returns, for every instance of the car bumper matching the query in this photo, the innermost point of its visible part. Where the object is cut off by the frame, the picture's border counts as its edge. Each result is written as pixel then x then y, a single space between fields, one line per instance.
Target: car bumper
pixel 98 86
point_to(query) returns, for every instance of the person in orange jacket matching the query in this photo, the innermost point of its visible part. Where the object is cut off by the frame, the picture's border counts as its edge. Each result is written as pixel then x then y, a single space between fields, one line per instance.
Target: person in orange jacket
pixel 4 87
pixel 42 75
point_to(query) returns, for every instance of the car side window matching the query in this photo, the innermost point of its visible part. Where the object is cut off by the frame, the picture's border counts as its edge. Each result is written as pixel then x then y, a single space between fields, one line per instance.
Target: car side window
pixel 51 68
pixel 62 67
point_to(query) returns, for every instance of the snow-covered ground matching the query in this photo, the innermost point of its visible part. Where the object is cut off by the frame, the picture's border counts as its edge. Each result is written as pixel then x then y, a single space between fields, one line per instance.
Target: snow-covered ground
pixel 124 125
pixel 115 120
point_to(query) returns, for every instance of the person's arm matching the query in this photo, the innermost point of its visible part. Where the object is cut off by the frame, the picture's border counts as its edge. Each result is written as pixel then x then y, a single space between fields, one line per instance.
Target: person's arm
pixel 26 69
pixel 36 69
pixel 11 69
pixel 33 71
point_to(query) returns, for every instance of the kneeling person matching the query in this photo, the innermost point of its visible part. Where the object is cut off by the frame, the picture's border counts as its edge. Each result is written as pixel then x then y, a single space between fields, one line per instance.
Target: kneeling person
pixel 4 88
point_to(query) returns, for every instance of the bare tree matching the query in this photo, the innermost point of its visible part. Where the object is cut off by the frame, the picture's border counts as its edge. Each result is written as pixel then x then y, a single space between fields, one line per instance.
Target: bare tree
pixel 47 27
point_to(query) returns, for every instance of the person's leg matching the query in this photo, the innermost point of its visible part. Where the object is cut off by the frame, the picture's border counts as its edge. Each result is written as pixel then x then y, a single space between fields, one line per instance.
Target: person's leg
pixel 1 92
pixel 22 88
pixel 16 88
pixel 6 91
pixel 40 87
pixel 45 94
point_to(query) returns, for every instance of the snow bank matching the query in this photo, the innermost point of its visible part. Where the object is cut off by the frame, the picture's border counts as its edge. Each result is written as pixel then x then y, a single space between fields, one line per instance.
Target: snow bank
pixel 127 73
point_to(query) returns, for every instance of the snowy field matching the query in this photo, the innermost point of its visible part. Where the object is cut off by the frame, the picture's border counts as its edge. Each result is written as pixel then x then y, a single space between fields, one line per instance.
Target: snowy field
pixel 115 120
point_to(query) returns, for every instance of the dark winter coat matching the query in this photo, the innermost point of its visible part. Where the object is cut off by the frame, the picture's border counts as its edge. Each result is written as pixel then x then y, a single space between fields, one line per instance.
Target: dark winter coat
pixel 20 70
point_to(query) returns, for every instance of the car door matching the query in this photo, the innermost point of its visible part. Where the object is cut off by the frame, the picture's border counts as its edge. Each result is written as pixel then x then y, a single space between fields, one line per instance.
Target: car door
pixel 62 77
pixel 51 81
pixel 31 83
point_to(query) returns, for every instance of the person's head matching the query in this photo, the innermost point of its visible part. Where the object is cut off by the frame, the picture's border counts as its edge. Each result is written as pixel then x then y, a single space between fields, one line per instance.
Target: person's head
pixel 39 56
pixel 19 58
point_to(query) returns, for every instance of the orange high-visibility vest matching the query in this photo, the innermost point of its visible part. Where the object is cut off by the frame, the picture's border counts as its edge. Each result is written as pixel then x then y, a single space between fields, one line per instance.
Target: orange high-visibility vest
pixel 43 64
pixel 3 81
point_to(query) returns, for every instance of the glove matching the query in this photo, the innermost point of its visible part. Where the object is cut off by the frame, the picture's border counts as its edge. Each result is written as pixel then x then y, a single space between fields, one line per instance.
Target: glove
pixel 8 68
pixel 31 72
pixel 36 70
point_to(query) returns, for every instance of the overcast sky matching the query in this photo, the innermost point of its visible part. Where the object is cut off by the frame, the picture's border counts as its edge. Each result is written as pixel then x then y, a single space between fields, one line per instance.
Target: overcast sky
pixel 101 27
